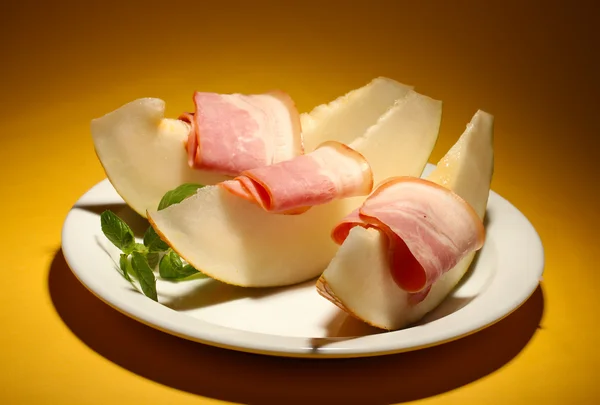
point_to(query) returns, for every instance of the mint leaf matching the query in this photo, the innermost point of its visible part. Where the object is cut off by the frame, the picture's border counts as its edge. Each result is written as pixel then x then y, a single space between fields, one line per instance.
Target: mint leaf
pixel 178 194
pixel 171 267
pixel 152 259
pixel 189 270
pixel 117 231
pixel 125 266
pixel 153 242
pixel 145 276
pixel 195 276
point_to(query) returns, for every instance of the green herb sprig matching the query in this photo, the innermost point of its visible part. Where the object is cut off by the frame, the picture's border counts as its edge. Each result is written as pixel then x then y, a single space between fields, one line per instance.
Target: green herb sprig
pixel 139 260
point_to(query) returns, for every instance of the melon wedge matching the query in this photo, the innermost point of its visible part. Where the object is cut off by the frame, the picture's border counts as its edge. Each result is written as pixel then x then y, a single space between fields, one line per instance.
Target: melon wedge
pixel 358 279
pixel 365 105
pixel 143 153
pixel 237 242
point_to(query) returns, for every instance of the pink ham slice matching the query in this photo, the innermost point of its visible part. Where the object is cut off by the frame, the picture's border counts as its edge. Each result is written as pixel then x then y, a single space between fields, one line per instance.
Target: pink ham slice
pixel 429 229
pixel 231 133
pixel 331 171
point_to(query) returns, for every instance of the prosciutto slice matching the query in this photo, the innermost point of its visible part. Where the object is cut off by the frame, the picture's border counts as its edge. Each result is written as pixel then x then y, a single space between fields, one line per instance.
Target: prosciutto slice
pixel 429 229
pixel 331 171
pixel 231 133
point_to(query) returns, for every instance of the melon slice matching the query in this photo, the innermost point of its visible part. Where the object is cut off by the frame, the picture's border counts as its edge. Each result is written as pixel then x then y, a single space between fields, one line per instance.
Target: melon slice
pixel 358 279
pixel 143 153
pixel 365 105
pixel 237 242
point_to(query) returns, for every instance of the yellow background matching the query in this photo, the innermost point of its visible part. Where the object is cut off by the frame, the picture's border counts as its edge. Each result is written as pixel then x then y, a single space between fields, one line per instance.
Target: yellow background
pixel 531 64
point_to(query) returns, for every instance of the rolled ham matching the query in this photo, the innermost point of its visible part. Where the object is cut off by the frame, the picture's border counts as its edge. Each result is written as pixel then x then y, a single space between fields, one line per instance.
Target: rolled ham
pixel 429 230
pixel 231 133
pixel 332 171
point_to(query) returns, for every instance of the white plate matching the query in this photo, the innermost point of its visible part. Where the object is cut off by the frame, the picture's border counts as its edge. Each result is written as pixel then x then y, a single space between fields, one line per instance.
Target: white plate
pixel 295 321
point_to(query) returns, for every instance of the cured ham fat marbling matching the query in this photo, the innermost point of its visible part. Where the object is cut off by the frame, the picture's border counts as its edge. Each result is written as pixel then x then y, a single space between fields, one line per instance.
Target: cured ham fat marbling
pixel 332 171
pixel 231 133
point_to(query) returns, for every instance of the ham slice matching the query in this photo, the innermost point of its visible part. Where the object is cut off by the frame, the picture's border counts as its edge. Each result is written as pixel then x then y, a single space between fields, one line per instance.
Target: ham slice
pixel 231 133
pixel 332 171
pixel 429 230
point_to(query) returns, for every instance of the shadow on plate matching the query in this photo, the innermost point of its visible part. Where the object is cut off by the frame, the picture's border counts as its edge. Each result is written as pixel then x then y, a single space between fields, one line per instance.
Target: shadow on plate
pixel 213 292
pixel 248 378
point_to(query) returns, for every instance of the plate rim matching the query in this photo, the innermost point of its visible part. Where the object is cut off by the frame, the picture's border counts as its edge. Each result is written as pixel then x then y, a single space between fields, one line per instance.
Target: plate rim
pixel 167 320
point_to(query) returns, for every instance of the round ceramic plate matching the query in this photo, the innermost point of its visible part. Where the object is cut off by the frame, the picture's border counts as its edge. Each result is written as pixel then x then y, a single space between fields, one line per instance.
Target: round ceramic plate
pixel 295 321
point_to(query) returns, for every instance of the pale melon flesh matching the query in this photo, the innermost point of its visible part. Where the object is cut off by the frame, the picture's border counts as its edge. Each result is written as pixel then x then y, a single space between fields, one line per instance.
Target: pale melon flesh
pixel 365 105
pixel 237 242
pixel 359 280
pixel 143 153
